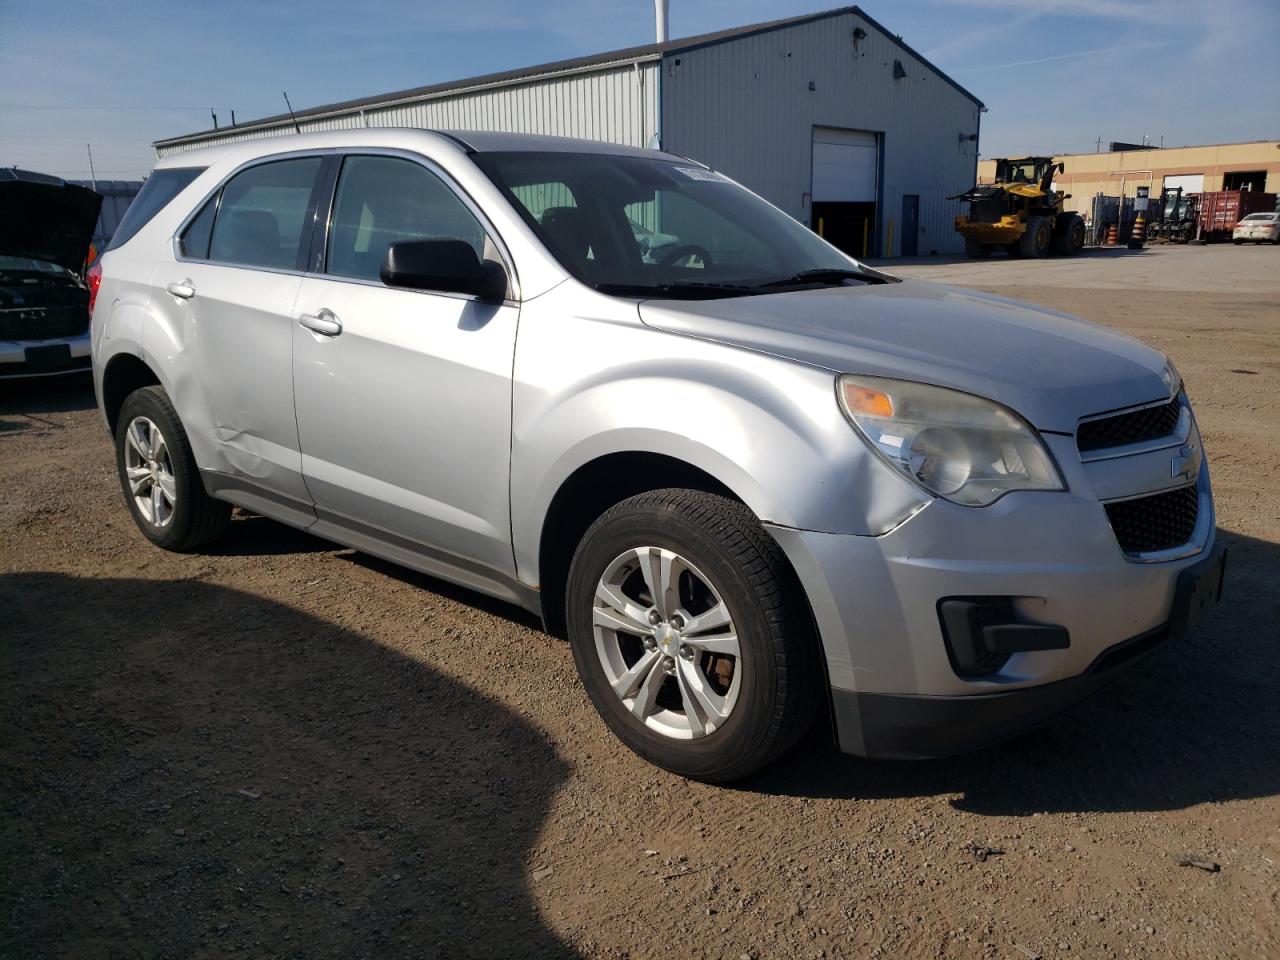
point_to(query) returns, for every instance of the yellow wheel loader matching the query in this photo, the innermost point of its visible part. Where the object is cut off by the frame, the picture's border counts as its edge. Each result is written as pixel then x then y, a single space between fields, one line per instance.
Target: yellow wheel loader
pixel 1020 213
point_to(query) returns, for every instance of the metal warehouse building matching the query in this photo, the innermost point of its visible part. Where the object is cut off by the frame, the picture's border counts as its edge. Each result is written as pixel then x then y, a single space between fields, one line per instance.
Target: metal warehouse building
pixel 829 116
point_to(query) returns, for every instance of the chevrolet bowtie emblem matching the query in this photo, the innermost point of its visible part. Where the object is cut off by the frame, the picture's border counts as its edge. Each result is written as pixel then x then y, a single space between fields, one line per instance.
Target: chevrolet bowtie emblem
pixel 1184 465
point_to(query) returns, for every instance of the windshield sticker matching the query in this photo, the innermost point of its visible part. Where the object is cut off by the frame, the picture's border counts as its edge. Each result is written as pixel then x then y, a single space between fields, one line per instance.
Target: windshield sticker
pixel 697 173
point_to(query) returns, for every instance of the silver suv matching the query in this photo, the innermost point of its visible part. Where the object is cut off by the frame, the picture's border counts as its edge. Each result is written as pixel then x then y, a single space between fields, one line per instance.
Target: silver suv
pixel 755 482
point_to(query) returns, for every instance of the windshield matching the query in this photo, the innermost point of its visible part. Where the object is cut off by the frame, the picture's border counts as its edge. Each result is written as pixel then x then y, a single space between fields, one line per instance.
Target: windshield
pixel 654 227
pixel 1018 171
pixel 1262 216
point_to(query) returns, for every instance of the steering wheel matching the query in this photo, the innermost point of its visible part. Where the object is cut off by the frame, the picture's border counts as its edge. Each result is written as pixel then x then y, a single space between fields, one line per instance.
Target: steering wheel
pixel 683 250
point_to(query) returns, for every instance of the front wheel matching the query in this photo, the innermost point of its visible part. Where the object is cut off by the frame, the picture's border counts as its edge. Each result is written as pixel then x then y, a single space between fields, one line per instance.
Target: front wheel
pixel 1071 240
pixel 1035 239
pixel 159 476
pixel 690 634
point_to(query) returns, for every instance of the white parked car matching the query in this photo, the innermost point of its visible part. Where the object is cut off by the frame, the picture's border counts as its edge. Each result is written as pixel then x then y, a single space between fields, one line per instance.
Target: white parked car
pixel 1258 227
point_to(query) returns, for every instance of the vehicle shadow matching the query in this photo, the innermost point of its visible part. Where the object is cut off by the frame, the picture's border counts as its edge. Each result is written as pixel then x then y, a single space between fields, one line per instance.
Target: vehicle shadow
pixel 251 535
pixel 28 404
pixel 1197 722
pixel 187 769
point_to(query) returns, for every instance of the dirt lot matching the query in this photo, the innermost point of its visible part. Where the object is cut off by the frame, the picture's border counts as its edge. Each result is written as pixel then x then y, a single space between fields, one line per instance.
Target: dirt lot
pixel 286 749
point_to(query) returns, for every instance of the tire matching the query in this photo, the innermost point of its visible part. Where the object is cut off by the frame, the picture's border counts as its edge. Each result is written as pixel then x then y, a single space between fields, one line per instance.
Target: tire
pixel 1035 239
pixel 976 250
pixel 1070 241
pixel 190 518
pixel 1237 242
pixel 775 690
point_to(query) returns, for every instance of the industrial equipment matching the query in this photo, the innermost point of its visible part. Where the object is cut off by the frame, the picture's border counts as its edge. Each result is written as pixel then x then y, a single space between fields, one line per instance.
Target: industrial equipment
pixel 1020 212
pixel 1174 218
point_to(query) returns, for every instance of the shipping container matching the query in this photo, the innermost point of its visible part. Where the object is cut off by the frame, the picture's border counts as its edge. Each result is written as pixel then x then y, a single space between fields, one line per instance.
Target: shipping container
pixel 1221 211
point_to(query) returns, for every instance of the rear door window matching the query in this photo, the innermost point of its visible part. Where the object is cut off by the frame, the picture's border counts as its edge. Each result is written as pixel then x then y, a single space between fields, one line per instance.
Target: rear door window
pixel 261 220
pixel 383 200
pixel 161 187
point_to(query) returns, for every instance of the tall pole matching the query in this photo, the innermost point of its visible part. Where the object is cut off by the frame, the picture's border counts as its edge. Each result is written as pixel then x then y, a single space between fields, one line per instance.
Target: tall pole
pixel 660 11
pixel 93 177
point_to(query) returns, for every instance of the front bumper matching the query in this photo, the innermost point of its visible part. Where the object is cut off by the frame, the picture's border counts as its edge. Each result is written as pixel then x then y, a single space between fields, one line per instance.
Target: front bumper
pixel 44 358
pixel 915 727
pixel 875 601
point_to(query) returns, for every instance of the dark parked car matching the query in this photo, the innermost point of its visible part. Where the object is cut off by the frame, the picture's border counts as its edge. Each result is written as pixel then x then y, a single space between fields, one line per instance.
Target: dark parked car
pixel 45 228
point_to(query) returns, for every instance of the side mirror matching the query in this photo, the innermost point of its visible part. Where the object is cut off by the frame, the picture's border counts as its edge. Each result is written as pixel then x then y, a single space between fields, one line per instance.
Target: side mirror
pixel 450 266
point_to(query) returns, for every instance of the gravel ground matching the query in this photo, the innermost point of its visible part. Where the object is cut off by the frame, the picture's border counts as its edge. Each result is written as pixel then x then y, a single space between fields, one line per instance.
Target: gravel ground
pixel 284 749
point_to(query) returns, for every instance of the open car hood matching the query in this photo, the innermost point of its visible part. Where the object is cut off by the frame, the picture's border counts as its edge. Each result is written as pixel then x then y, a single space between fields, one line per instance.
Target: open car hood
pixel 46 219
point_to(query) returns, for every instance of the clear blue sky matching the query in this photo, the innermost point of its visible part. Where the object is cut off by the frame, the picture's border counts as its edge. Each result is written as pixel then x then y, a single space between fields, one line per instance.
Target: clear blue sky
pixel 1056 74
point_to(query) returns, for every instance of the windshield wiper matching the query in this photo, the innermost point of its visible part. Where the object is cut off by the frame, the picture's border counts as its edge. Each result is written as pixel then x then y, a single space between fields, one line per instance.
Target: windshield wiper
pixel 679 289
pixel 834 276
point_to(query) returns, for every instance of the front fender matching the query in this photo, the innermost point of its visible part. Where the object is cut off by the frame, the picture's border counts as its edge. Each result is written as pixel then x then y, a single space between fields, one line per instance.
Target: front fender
pixel 768 429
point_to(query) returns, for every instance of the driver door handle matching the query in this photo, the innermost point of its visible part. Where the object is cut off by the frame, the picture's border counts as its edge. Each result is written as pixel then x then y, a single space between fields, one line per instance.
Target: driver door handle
pixel 322 322
pixel 183 290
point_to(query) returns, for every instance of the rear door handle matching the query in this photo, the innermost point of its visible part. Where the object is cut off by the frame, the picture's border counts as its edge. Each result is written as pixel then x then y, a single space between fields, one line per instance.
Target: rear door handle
pixel 183 290
pixel 322 322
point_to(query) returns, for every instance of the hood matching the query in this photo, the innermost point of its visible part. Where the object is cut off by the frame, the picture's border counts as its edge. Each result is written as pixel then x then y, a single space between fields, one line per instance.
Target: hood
pixel 46 219
pixel 1050 367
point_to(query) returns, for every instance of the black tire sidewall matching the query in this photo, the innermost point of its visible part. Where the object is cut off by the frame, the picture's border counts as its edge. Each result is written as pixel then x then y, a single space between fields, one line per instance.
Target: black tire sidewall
pixel 1075 234
pixel 148 403
pixel 1043 237
pixel 748 725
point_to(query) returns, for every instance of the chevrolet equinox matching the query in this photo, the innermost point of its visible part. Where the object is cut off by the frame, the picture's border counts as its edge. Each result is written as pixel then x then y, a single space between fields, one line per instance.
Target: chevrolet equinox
pixel 752 480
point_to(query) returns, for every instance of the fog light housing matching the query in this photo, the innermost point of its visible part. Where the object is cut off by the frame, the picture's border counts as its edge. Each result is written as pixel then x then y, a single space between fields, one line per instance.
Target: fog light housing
pixel 982 633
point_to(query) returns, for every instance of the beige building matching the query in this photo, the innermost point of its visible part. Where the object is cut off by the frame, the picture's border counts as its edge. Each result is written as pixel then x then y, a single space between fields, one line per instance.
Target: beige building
pixel 1220 166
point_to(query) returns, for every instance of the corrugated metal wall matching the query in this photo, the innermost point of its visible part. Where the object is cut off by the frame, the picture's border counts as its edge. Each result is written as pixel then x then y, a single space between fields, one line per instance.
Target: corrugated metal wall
pixel 745 107
pixel 615 104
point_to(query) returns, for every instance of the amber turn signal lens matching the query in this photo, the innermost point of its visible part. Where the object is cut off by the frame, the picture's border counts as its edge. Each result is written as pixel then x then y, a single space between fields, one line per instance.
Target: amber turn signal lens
pixel 864 401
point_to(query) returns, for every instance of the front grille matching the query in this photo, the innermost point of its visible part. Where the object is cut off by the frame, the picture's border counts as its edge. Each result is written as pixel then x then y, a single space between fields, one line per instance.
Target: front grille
pixel 43 323
pixel 1150 423
pixel 1161 521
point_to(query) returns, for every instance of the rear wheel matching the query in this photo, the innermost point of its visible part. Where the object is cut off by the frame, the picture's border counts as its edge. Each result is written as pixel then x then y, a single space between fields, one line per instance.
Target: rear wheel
pixel 159 476
pixel 1035 240
pixel 976 250
pixel 1071 239
pixel 690 634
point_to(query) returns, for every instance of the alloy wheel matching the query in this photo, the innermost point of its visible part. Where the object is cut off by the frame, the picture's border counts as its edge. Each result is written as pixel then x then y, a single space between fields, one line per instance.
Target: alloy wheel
pixel 667 643
pixel 149 470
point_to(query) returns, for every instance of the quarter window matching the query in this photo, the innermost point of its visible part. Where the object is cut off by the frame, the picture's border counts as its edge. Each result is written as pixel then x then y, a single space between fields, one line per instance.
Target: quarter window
pixel 195 239
pixel 161 187
pixel 262 215
pixel 383 200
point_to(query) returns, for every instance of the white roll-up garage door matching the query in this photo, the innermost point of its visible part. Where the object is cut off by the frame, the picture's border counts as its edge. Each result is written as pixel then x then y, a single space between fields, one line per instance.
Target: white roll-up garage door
pixel 844 165
pixel 1189 182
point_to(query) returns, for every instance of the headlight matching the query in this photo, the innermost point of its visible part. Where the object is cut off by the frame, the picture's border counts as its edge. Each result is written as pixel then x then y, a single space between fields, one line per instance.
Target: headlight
pixel 965 448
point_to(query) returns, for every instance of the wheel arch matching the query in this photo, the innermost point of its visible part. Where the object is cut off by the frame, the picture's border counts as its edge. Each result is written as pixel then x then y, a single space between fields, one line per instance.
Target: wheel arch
pixel 123 374
pixel 586 494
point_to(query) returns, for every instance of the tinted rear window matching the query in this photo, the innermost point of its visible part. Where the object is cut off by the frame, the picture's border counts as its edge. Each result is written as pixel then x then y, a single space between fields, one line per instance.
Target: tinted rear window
pixel 161 187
